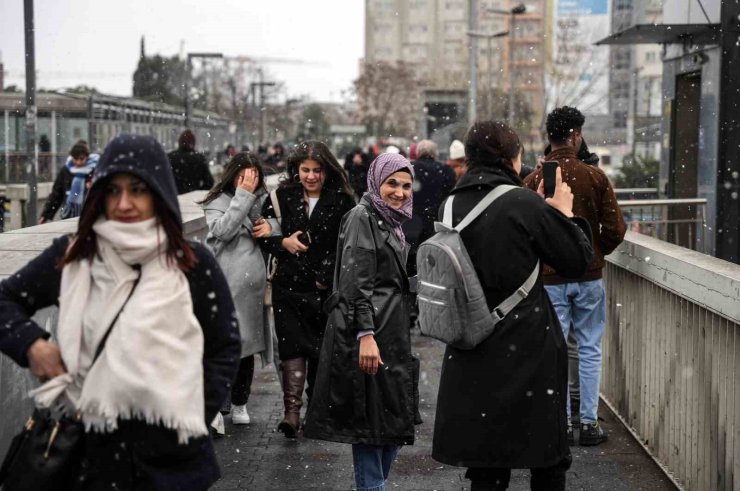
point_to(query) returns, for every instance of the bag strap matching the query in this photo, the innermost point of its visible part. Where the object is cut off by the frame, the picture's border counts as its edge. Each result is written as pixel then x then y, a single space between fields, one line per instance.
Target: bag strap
pixel 272 261
pixel 276 205
pixel 503 309
pixel 101 345
pixel 482 205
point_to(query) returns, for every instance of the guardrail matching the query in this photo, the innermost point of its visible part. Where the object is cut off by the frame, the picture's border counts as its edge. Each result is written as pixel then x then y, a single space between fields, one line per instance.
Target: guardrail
pixel 678 221
pixel 671 357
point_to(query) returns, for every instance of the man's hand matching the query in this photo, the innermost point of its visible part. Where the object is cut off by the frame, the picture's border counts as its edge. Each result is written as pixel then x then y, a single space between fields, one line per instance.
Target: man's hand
pixel 45 360
pixel 369 355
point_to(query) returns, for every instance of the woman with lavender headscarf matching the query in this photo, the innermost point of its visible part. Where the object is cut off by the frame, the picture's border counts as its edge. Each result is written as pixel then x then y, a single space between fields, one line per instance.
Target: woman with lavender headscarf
pixel 367 381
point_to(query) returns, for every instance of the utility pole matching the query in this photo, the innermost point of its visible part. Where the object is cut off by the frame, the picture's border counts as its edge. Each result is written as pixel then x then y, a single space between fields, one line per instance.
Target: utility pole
pixel 263 116
pixel 512 13
pixel 31 164
pixel 188 73
pixel 472 66
pixel 489 37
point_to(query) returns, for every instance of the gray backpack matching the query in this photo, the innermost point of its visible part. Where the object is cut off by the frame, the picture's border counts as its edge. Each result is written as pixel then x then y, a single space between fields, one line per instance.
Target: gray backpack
pixel 452 307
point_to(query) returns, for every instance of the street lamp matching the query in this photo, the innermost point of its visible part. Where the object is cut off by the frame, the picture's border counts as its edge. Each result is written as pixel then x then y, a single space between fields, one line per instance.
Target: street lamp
pixel 514 11
pixel 188 70
pixel 489 37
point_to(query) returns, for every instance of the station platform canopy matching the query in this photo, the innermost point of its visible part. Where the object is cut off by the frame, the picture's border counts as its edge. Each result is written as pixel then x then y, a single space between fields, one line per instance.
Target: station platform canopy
pixel 665 34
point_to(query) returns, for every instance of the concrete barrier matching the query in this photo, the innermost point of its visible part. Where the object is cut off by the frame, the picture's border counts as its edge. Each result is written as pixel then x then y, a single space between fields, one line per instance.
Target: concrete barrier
pixel 17 248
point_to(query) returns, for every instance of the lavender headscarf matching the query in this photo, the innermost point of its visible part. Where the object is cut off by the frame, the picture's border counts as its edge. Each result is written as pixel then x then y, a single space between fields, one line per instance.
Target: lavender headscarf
pixel 382 168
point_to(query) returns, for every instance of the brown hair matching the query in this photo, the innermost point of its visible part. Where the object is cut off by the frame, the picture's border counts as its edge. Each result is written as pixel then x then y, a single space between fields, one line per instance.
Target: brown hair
pixel 336 178
pixel 79 150
pixel 492 144
pixel 85 244
pixel 242 160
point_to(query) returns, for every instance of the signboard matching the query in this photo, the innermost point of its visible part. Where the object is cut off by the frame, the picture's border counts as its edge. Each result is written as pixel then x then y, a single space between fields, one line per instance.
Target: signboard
pixel 579 71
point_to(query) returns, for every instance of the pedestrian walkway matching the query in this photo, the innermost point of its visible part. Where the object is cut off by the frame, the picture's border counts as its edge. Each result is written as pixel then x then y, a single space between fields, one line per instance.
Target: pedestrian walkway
pixel 255 457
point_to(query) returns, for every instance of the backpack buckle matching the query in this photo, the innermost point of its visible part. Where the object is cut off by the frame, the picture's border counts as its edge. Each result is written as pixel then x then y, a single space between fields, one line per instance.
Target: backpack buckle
pixel 523 292
pixel 497 314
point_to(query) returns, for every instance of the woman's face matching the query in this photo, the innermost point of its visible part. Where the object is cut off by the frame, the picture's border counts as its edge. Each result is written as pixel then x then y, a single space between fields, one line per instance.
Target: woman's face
pixel 396 190
pixel 128 199
pixel 311 175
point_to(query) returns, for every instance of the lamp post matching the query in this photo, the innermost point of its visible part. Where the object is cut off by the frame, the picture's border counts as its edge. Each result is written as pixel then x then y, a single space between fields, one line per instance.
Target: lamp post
pixel 472 68
pixel 188 70
pixel 514 11
pixel 489 37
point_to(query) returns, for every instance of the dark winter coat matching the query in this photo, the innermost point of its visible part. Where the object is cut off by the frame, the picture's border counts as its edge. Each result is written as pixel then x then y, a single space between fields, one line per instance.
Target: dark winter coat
pixel 58 193
pixel 152 451
pixel 595 201
pixel 301 272
pixel 502 404
pixel 371 293
pixel 433 182
pixel 357 174
pixel 137 455
pixel 190 170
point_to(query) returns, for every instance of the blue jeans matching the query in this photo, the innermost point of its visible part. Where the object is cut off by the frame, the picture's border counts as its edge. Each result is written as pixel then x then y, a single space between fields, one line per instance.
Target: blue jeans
pixel 583 305
pixel 372 465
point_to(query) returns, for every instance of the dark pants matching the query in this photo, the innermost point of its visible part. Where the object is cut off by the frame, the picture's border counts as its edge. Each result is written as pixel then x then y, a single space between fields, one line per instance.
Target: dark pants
pixel 242 386
pixel 573 377
pixel 543 479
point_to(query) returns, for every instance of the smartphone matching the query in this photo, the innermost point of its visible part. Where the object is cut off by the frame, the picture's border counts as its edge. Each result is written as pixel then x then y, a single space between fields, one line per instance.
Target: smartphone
pixel 549 168
pixel 305 238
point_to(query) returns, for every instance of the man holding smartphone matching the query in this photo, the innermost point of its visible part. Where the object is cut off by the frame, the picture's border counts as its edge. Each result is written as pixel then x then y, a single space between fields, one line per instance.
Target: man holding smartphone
pixel 581 303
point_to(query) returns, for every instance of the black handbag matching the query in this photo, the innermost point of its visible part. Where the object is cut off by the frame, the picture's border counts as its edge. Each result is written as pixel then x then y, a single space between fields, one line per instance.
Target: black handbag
pixel 46 455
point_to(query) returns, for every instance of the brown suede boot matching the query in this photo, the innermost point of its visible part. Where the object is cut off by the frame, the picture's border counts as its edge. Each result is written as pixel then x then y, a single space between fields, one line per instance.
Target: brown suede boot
pixel 294 377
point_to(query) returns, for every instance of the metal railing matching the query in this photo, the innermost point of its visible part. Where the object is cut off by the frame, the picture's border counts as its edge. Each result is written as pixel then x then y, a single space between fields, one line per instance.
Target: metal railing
pixel 636 193
pixel 678 221
pixel 671 358
pixel 13 167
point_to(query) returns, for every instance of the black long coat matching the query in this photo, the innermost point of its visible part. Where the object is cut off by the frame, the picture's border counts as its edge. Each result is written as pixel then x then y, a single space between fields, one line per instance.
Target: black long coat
pixel 301 329
pixel 502 404
pixel 190 170
pixel 371 293
pixel 137 455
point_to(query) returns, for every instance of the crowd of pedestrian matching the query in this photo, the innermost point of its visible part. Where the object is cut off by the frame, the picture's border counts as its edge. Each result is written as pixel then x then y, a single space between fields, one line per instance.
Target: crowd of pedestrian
pixel 157 335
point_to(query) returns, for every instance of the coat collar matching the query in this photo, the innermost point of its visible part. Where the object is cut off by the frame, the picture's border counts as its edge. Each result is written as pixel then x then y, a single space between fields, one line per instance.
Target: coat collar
pixel 488 177
pixel 563 153
pixel 388 233
pixel 327 199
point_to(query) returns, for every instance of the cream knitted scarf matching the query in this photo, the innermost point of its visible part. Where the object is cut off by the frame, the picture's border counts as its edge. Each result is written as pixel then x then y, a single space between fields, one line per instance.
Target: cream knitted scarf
pixel 152 365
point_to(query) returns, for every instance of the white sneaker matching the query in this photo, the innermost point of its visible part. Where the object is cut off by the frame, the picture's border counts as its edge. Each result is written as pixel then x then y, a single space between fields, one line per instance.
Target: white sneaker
pixel 218 425
pixel 239 415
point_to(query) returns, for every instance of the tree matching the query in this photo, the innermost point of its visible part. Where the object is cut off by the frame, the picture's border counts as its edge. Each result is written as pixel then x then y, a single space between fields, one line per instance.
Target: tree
pixel 640 172
pixel 82 90
pixel 523 112
pixel 389 98
pixel 315 124
pixel 160 79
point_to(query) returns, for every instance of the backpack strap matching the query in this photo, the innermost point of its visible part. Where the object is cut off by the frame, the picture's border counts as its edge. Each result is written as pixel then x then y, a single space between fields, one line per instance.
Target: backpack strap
pixel 503 309
pixel 479 208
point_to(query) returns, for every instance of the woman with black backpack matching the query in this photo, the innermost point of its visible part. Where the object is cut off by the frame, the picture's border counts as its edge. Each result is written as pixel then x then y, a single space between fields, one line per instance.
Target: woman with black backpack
pixel 310 205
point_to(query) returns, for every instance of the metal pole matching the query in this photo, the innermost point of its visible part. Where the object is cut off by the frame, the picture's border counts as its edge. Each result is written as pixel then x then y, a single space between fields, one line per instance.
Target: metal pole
pixel 472 53
pixel 512 33
pixel 31 164
pixel 489 89
pixel 262 106
pixel 188 109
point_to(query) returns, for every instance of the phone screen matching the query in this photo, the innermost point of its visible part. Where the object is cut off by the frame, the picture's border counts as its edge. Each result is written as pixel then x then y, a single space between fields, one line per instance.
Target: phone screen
pixel 548 172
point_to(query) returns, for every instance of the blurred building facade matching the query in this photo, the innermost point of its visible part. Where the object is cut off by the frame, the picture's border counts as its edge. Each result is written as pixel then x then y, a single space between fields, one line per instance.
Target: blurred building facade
pixel 432 35
pixel 635 73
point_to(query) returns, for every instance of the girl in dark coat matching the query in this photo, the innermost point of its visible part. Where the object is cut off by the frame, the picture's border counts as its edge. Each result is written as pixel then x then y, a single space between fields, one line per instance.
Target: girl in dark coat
pixel 501 405
pixel 172 352
pixel 312 204
pixel 368 379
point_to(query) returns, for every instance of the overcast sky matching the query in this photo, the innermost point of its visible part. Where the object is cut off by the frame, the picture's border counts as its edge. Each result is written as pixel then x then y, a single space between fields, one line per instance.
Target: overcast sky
pixel 96 42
